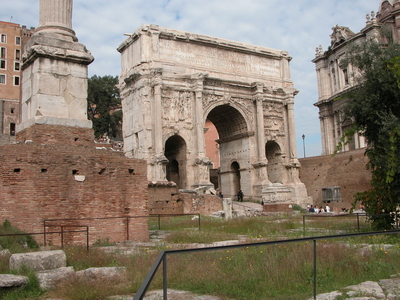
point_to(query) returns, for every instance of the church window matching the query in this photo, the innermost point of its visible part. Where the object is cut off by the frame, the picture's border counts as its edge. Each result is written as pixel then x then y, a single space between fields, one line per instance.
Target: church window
pixel 2 64
pixel 3 38
pixel 2 52
pixel 18 40
pixel 16 66
pixel 16 80
pixel 346 77
pixel 2 79
pixel 17 54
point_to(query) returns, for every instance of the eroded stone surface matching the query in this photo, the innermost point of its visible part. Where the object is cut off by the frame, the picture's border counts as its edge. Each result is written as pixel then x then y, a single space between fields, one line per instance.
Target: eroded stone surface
pixel 9 280
pixel 49 278
pixel 39 261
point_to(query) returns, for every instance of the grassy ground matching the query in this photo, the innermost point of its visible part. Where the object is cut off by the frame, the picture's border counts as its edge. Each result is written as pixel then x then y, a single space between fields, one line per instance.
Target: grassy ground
pixel 277 271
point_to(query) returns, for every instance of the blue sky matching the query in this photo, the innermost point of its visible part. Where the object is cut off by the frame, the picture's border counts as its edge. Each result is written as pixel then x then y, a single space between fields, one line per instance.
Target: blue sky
pixel 297 26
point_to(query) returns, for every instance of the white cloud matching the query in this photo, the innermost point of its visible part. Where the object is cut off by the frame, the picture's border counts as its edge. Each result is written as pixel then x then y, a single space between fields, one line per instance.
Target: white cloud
pixel 297 26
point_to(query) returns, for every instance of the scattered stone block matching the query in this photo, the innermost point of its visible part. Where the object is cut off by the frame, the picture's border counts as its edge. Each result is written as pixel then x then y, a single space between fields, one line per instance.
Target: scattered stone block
pixel 102 273
pixel 49 278
pixel 9 280
pixel 39 261
pixel 5 252
pixel 368 288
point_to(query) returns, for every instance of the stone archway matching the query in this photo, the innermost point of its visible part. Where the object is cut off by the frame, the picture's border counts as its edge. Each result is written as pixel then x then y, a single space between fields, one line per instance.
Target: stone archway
pixel 173 81
pixel 175 152
pixel 233 148
pixel 235 169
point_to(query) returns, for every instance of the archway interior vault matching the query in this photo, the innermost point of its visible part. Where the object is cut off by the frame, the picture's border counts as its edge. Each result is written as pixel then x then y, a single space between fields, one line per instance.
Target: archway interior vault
pixel 229 122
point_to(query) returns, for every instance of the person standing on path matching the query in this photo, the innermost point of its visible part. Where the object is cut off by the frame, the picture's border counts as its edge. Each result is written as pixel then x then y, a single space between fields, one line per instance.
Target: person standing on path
pixel 240 196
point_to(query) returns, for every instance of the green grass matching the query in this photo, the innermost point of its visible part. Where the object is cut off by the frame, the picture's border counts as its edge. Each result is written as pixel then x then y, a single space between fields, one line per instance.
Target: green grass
pixel 275 271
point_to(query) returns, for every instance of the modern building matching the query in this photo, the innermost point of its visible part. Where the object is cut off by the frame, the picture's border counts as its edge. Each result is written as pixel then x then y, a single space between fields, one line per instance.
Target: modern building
pixel 13 37
pixel 335 79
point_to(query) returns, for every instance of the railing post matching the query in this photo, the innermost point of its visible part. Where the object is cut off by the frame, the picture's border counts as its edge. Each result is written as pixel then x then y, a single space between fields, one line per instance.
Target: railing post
pixel 165 288
pixel 44 232
pixel 87 238
pixel 127 228
pixel 62 236
pixel 199 221
pixel 315 269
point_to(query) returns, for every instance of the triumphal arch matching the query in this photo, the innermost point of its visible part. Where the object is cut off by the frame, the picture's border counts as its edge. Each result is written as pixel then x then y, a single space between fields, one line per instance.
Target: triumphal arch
pixel 173 82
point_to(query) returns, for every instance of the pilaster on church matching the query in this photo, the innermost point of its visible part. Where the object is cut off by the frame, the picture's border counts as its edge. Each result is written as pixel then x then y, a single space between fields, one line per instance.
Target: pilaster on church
pixel 54 86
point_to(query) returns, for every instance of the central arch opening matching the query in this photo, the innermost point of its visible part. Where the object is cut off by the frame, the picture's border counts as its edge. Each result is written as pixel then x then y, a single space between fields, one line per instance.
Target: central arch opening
pixel 231 143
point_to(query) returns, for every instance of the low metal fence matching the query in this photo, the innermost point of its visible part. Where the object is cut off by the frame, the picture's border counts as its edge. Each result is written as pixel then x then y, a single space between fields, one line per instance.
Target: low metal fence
pixel 356 216
pixel 162 258
pixel 61 232
pixel 56 222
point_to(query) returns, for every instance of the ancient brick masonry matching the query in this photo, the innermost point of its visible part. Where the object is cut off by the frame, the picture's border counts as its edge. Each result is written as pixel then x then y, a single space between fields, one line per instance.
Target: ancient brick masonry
pixel 39 182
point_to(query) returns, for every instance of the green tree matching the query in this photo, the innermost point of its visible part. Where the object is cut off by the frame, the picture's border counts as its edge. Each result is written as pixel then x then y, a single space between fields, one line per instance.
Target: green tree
pixel 103 97
pixel 374 107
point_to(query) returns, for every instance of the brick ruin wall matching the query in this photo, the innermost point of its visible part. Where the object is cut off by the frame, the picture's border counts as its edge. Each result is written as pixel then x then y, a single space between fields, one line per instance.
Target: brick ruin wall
pixel 346 170
pixel 166 199
pixel 41 182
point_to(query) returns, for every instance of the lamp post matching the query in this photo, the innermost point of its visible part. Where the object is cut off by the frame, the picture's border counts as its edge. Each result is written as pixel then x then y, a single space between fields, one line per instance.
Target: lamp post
pixel 304 145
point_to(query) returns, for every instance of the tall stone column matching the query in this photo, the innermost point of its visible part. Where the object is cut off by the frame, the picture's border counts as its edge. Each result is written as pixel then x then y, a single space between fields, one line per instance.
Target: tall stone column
pixel 54 81
pixel 159 161
pixel 292 132
pixel 56 17
pixel 202 163
pixel 260 166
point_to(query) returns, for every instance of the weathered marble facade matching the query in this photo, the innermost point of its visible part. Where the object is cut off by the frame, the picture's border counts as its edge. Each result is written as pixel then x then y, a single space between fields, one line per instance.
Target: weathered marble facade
pixel 334 79
pixel 54 86
pixel 172 82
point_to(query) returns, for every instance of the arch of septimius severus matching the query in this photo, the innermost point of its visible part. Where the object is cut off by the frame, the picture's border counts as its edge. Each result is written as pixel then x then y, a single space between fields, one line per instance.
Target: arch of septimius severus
pixel 172 82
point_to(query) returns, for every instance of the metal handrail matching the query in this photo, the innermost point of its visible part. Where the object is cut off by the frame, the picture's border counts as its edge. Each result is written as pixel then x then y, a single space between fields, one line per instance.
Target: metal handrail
pixel 162 258
pixel 357 215
pixel 107 218
pixel 55 232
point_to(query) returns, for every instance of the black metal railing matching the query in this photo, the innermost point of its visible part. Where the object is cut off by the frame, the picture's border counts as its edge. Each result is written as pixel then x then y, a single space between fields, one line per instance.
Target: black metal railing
pixel 58 222
pixel 162 258
pixel 61 232
pixel 395 217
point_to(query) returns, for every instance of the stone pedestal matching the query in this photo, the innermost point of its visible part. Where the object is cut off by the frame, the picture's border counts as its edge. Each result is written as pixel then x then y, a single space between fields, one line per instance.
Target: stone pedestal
pixel 54 73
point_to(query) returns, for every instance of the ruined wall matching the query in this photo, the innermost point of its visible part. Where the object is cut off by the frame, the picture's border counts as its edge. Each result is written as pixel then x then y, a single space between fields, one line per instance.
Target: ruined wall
pixel 161 199
pixel 165 199
pixel 347 170
pixel 39 182
pixel 202 204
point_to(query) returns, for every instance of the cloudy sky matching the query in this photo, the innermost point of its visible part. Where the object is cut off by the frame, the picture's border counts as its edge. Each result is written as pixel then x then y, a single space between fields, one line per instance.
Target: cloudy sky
pixel 297 26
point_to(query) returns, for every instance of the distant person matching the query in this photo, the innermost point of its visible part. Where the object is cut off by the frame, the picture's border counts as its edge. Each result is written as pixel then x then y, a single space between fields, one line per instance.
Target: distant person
pixel 311 209
pixel 327 208
pixel 240 196
pixel 321 209
pixel 220 194
pixel 316 209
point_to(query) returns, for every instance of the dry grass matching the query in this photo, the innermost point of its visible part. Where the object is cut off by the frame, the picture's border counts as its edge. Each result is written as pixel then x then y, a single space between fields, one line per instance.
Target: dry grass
pixel 276 271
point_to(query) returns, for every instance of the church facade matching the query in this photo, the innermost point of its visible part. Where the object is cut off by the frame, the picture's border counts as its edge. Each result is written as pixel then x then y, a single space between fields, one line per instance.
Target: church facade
pixel 335 79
